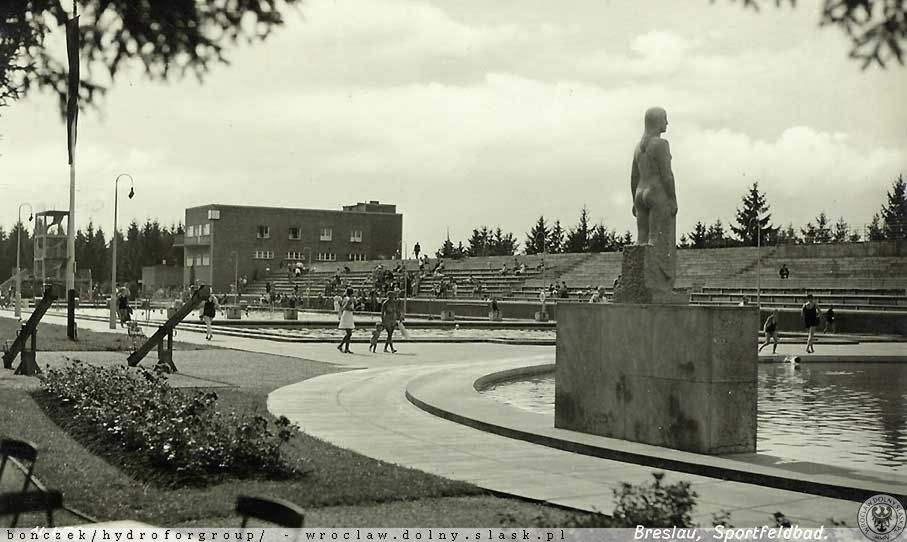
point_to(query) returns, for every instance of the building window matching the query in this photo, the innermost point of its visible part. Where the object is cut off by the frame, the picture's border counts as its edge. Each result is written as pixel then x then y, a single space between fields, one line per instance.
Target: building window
pixel 357 257
pixel 327 234
pixel 198 260
pixel 213 214
pixel 263 255
pixel 188 262
pixel 206 260
pixel 190 231
pixel 295 233
pixel 295 256
pixel 264 232
pixel 327 257
pixel 356 236
pixel 206 229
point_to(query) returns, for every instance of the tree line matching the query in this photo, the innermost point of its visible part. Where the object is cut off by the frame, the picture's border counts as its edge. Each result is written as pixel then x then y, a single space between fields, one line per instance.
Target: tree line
pixel 752 226
pixel 141 245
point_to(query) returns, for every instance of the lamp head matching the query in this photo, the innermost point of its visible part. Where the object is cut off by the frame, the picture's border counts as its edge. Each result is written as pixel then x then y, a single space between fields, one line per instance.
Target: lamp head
pixel 131 192
pixel 30 216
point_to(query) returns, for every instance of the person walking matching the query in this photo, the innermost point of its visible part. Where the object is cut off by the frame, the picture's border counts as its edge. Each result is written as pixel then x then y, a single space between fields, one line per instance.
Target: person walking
pixel 830 320
pixel 209 311
pixel 347 322
pixel 771 331
pixel 810 314
pixel 390 316
pixel 123 308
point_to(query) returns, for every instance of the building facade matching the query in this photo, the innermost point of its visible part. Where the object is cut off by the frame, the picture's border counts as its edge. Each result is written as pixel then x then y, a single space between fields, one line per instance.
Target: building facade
pixel 225 241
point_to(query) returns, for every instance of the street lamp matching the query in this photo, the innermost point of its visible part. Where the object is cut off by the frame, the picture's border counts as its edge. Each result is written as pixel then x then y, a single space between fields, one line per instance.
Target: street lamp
pixel 18 311
pixel 113 271
pixel 235 277
pixel 758 221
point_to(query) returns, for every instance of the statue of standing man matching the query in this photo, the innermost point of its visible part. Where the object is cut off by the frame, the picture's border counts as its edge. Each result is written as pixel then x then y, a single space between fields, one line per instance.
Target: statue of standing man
pixel 651 266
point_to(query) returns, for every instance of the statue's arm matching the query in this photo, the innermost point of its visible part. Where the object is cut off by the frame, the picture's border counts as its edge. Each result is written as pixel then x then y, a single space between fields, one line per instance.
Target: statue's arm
pixel 664 167
pixel 634 182
pixel 667 175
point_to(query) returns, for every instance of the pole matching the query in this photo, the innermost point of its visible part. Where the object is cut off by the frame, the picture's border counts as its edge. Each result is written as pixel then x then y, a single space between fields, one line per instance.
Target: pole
pixel 18 311
pixel 235 277
pixel 405 295
pixel 71 249
pixel 759 265
pixel 113 263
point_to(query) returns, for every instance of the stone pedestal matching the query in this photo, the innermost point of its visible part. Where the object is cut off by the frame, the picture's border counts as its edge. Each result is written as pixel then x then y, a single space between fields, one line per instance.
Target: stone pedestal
pixel 646 278
pixel 541 316
pixel 290 314
pixel 234 313
pixel 447 315
pixel 682 377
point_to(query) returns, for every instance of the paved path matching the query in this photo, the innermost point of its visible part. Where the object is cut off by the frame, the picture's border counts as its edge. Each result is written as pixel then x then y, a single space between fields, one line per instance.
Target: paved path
pixel 367 411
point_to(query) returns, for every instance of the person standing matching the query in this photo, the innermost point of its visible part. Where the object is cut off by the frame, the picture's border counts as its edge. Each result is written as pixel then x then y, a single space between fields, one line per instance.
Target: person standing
pixel 209 311
pixel 123 309
pixel 771 331
pixel 390 316
pixel 810 314
pixel 829 320
pixel 543 297
pixel 416 250
pixel 337 303
pixel 347 322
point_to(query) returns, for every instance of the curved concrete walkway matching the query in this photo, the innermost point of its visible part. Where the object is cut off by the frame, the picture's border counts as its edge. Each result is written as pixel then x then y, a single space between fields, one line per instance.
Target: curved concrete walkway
pixel 367 411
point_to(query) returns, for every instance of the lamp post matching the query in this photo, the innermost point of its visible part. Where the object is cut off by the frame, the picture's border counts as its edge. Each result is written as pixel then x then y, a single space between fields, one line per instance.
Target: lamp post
pixel 18 311
pixel 758 221
pixel 113 266
pixel 235 277
pixel 308 261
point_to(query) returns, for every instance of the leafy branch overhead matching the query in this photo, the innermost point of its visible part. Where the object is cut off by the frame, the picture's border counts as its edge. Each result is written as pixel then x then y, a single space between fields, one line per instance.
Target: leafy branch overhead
pixel 877 28
pixel 169 38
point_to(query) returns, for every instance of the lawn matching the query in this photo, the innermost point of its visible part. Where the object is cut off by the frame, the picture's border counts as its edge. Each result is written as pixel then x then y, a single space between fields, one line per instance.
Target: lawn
pixel 52 338
pixel 339 488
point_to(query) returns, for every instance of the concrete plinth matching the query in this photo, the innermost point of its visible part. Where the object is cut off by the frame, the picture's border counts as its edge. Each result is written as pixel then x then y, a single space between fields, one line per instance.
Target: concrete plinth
pixel 234 313
pixel 647 277
pixel 670 375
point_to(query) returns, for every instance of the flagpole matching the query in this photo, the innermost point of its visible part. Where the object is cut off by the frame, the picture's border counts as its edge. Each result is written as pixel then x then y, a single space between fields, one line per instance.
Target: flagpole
pixel 73 53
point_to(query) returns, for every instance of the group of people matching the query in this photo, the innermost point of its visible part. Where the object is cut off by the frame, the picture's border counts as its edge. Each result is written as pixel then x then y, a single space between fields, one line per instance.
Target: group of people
pixel 809 315
pixel 391 320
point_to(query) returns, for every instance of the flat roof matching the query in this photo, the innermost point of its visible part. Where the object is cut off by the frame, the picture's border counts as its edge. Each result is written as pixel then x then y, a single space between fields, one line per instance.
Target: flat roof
pixel 264 208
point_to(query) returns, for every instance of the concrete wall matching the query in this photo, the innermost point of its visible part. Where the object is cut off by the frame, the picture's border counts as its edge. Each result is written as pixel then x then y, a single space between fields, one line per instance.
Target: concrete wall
pixel 669 375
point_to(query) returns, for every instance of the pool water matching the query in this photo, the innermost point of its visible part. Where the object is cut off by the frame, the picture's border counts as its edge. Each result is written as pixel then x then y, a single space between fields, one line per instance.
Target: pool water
pixel 847 415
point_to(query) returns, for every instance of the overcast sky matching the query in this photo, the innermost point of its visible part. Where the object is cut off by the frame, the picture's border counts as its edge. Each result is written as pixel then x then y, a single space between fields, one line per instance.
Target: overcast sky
pixel 475 112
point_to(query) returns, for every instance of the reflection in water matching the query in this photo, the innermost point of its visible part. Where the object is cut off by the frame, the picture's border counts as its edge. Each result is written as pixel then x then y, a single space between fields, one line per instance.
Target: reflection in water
pixel 848 415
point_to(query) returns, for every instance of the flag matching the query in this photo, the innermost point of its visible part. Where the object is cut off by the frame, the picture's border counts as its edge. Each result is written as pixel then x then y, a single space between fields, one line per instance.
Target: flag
pixel 72 102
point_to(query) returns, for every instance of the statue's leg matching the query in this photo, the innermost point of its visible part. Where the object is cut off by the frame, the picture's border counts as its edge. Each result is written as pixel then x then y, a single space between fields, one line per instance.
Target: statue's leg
pixel 642 224
pixel 662 231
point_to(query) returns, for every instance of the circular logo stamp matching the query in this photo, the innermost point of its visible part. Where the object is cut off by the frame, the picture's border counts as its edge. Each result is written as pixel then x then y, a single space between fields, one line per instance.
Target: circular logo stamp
pixel 882 518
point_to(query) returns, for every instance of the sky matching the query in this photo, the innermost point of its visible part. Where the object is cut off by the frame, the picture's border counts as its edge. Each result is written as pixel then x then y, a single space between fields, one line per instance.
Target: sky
pixel 473 112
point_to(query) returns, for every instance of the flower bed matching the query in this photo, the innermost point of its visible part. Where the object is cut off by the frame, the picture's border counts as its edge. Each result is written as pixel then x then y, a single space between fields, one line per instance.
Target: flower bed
pixel 177 432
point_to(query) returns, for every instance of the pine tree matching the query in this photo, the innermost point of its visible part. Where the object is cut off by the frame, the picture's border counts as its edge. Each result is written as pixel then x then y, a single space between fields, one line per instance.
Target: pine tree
pixel 602 239
pixel 715 237
pixel 578 237
pixel 820 233
pixel 841 231
pixel 875 229
pixel 684 242
pixel 753 217
pixel 556 238
pixel 447 250
pixel 894 213
pixel 787 235
pixel 699 236
pixel 503 244
pixel 478 243
pixel 537 238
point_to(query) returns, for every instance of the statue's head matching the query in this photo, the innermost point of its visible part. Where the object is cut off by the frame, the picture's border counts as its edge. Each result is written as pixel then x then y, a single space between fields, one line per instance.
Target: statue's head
pixel 656 120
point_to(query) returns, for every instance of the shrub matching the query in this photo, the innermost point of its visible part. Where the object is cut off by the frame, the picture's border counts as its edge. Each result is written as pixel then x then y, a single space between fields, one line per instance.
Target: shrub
pixel 178 432
pixel 655 505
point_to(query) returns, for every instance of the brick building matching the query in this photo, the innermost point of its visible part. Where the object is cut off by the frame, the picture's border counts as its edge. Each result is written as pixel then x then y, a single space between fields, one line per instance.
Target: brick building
pixel 222 240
